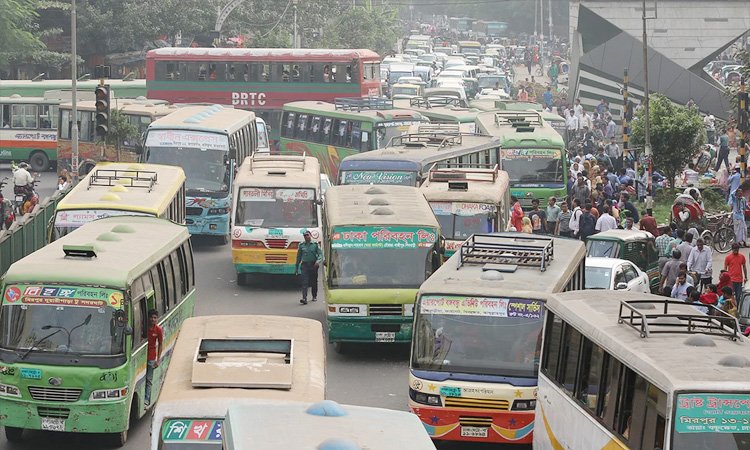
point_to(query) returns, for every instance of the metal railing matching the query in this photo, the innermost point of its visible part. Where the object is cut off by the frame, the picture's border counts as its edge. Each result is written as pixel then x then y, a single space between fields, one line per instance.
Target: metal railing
pixel 676 322
pixel 507 249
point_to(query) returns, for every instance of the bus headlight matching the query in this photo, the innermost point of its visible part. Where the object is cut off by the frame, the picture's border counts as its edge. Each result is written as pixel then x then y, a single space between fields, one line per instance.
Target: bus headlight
pixel 109 394
pixel 217 211
pixel 425 399
pixel 8 390
pixel 524 405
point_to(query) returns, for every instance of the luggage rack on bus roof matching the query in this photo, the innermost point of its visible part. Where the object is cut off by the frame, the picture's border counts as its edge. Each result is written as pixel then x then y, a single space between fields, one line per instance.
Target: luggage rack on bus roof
pixel 437 139
pixel 439 128
pixel 363 103
pixel 518 119
pixel 505 251
pixel 634 313
pixel 123 177
pixel 433 101
pixel 441 172
pixel 279 162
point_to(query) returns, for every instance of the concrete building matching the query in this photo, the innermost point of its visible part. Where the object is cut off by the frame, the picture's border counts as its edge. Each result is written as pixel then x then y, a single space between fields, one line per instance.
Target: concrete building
pixel 683 36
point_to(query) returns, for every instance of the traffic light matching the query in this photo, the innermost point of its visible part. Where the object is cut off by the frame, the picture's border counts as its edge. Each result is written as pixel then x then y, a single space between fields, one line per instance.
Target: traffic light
pixel 102 94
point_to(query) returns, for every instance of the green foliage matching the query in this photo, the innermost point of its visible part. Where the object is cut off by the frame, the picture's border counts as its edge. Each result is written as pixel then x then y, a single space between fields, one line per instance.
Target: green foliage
pixel 374 28
pixel 120 129
pixel 16 28
pixel 677 134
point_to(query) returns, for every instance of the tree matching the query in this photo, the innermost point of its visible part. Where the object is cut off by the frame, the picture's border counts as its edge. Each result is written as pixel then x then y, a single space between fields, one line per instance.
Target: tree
pixel 677 134
pixel 17 28
pixel 120 131
pixel 374 28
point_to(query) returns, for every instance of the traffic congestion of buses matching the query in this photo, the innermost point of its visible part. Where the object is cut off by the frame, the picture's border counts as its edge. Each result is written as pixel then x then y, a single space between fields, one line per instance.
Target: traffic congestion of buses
pixel 405 187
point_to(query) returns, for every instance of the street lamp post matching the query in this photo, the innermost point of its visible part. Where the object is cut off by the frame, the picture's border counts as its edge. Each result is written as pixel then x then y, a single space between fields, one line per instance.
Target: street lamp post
pixel 294 7
pixel 74 94
pixel 646 118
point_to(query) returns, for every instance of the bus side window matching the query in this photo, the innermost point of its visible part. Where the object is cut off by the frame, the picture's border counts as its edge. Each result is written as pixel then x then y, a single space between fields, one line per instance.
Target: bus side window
pixel 295 73
pixel 310 67
pixel 315 131
pixel 47 115
pixel 571 349
pixel 24 116
pixel 327 126
pixel 301 130
pixel 187 250
pixel 159 301
pixel 140 322
pixel 5 116
pixel 341 132
pixel 287 129
pixel 552 342
pixel 179 276
pixel 169 276
pixel 355 136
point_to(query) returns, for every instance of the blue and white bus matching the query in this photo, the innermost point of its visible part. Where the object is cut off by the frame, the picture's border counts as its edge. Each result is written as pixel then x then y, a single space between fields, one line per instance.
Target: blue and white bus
pixel 208 142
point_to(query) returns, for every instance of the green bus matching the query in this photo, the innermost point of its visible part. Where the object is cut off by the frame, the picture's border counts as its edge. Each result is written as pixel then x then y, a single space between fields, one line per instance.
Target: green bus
pixel 28 88
pixel 533 154
pixel 73 323
pixel 333 131
pixel 368 229
pixel 442 110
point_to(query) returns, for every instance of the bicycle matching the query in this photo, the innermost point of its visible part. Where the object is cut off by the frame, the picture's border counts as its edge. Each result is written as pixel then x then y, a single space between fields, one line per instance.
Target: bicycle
pixel 719 232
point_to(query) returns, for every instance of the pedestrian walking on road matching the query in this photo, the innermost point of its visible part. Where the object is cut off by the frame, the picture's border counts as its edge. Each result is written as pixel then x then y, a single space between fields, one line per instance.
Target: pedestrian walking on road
pixel 309 257
pixel 723 151
pixel 736 265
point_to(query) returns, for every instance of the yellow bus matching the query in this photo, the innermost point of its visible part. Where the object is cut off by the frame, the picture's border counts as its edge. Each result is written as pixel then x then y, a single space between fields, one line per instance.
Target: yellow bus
pixel 276 198
pixel 117 189
pixel 223 360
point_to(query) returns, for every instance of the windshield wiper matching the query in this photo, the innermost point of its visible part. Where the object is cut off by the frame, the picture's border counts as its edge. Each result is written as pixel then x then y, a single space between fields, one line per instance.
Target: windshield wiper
pixel 38 342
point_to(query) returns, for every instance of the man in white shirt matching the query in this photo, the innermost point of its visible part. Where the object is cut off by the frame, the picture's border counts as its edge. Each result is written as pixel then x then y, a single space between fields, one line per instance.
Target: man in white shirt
pixel 605 222
pixel 611 128
pixel 701 262
pixel 578 109
pixel 22 180
pixel 575 217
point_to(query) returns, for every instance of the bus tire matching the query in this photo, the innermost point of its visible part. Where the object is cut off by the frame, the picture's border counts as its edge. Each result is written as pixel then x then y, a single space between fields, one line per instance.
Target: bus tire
pixel 340 347
pixel 13 434
pixel 117 440
pixel 222 240
pixel 39 161
pixel 242 279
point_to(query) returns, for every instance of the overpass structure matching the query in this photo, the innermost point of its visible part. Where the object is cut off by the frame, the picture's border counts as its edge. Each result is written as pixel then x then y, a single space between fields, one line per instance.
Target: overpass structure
pixel 682 36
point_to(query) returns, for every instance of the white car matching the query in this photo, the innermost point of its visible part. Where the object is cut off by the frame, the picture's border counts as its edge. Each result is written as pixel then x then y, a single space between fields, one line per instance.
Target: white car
pixel 615 274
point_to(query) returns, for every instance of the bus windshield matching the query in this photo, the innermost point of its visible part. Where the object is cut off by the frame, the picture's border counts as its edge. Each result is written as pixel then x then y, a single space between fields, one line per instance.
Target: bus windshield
pixel 533 165
pixel 490 81
pixel 62 320
pixel 203 157
pixel 277 208
pixel 711 420
pixel 368 268
pixel 483 336
pixel 604 249
pixel 461 220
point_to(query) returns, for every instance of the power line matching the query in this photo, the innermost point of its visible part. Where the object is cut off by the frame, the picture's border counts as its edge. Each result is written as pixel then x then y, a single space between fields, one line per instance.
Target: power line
pixel 280 18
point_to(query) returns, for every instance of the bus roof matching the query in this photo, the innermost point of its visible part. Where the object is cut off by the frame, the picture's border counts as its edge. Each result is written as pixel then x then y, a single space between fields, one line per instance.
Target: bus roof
pixel 121 88
pixel 179 396
pixel 482 185
pixel 377 205
pixel 464 274
pixel 279 171
pixel 469 44
pixel 536 134
pixel 427 154
pixel 127 187
pixel 623 235
pixel 212 119
pixel 666 359
pixel 281 54
pixel 153 108
pixel 442 113
pixel 125 247
pixel 329 109
pixel 19 100
pixel 266 427
pixel 552 117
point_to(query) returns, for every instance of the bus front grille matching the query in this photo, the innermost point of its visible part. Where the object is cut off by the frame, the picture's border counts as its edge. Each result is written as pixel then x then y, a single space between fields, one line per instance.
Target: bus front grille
pixel 276 243
pixel 51 394
pixel 57 413
pixel 470 421
pixel 386 310
pixel 476 403
pixel 193 211
pixel 276 259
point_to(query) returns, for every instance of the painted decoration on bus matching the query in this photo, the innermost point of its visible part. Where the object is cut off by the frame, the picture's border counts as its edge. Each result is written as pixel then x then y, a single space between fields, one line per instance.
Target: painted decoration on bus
pixel 23 139
pixel 712 413
pixel 63 296
pixel 529 153
pixel 182 430
pixel 184 138
pixel 464 209
pixel 379 177
pixel 480 306
pixel 78 217
pixel 383 237
pixel 271 194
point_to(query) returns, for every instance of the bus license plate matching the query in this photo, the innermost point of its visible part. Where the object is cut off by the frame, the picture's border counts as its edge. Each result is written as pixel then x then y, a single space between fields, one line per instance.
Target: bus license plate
pixel 385 336
pixel 475 432
pixel 51 424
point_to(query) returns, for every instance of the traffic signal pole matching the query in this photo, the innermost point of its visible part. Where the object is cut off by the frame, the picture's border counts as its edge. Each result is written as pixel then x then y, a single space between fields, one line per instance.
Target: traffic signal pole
pixel 743 124
pixel 74 90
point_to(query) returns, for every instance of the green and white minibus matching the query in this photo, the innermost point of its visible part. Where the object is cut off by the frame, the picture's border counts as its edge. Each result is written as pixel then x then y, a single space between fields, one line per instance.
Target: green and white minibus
pixel 73 322
pixel 382 242
pixel 641 371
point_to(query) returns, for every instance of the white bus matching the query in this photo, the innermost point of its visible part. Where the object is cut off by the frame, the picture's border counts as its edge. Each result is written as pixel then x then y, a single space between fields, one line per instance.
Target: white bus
pixel 641 371
pixel 208 142
pixel 276 198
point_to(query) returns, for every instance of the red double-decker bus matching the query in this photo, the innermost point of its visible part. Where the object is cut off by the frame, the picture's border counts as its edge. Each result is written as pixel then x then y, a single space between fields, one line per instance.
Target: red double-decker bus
pixel 260 79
